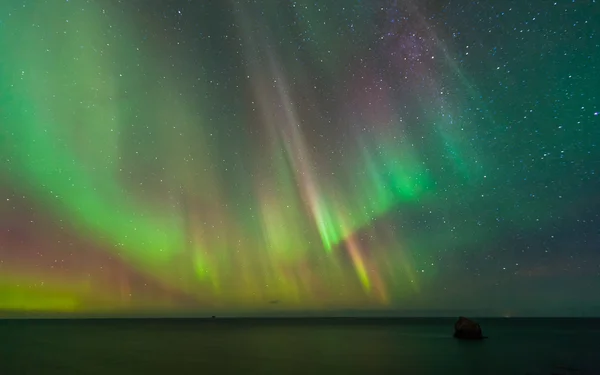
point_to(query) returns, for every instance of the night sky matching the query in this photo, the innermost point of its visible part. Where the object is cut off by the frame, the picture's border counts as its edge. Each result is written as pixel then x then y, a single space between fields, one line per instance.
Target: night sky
pixel 237 157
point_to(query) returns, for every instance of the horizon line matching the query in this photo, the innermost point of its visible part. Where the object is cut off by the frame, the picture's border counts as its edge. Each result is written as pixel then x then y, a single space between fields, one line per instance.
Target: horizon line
pixel 285 317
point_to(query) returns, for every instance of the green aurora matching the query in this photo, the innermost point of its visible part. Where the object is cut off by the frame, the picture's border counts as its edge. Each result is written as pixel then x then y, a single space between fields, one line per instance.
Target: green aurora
pixel 224 176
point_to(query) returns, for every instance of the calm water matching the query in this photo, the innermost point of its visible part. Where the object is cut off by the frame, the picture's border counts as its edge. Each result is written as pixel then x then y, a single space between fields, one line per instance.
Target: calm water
pixel 296 347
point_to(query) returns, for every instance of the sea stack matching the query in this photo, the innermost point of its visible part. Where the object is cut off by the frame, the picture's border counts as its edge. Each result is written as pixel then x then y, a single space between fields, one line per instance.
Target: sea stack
pixel 466 329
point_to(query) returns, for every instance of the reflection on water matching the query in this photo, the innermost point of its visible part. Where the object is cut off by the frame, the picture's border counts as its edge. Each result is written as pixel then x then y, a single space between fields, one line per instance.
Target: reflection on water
pixel 294 347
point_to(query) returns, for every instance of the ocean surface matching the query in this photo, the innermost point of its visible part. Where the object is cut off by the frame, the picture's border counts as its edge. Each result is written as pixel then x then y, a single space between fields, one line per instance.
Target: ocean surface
pixel 302 346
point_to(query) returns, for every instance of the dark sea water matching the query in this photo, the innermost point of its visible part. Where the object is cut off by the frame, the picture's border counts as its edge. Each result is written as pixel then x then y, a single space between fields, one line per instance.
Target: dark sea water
pixel 325 346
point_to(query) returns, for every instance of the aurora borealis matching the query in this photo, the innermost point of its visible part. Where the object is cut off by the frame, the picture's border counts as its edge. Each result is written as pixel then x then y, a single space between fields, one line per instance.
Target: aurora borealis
pixel 237 156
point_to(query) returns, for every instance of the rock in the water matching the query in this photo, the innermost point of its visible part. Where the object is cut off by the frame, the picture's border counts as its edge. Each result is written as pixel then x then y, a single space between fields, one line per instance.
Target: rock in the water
pixel 467 329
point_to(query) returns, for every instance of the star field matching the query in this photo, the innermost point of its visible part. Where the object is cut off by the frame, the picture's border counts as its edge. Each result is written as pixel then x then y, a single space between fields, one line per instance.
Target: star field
pixel 253 157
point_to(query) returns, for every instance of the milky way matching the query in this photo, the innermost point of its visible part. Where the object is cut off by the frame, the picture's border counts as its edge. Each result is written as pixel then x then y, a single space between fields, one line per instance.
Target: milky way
pixel 306 156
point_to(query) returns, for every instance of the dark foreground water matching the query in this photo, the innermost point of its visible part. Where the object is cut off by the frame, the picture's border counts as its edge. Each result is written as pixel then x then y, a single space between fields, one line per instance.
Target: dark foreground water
pixel 366 347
